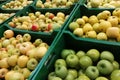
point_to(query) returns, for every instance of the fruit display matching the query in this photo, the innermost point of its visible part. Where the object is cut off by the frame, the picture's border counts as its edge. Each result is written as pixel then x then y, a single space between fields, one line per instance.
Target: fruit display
pixel 82 65
pixel 39 22
pixel 55 3
pixel 102 3
pixel 102 26
pixel 5 16
pixel 19 55
pixel 16 4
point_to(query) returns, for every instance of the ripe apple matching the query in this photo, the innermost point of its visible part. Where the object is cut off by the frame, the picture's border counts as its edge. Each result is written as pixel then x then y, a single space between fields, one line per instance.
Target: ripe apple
pixel 56 78
pixel 115 65
pixel 12 60
pixel 4 63
pixel 17 68
pixel 72 60
pixel 73 26
pixel 61 71
pixel 115 75
pixel 83 77
pixel 22 61
pixel 80 53
pixel 92 72
pixel 105 67
pixel 26 37
pixel 102 36
pixel 101 78
pixel 85 61
pixel 107 55
pixel 73 72
pixel 81 22
pixel 35 27
pixel 8 34
pixel 87 27
pixel 37 42
pixel 26 72
pixel 31 53
pixel 69 77
pixel 60 62
pixel 51 75
pixel 93 19
pixel 78 32
pixel 32 63
pixel 3 72
pixel 5 43
pixel 94 54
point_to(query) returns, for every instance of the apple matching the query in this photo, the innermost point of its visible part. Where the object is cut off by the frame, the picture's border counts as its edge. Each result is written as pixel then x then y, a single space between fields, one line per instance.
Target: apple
pixel 51 75
pixel 87 27
pixel 51 15
pixel 65 53
pixel 115 75
pixel 8 34
pixel 5 43
pixel 3 72
pixel 26 72
pixel 31 53
pixel 73 26
pixel 78 32
pixel 61 71
pixel 94 54
pixel 22 61
pixel 92 72
pixel 105 67
pixel 16 68
pixel 93 19
pixel 73 72
pixel 83 77
pixel 101 78
pixel 4 63
pixel 72 60
pixel 107 55
pixel 32 63
pixel 7 76
pixel 37 42
pixel 26 37
pixel 35 27
pixel 56 78
pixel 85 61
pixel 60 62
pixel 115 65
pixel 80 53
pixel 81 22
pixel 69 77
pixel 12 60
pixel 81 72
pixel 102 36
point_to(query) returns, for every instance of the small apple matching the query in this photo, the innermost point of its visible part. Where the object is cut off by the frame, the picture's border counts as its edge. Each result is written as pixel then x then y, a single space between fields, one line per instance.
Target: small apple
pixel 80 53
pixel 85 61
pixel 72 60
pixel 60 62
pixel 37 42
pixel 94 54
pixel 78 32
pixel 26 72
pixel 35 27
pixel 69 77
pixel 12 60
pixel 5 43
pixel 32 63
pixel 83 77
pixel 115 75
pixel 115 65
pixel 102 36
pixel 51 15
pixel 61 71
pixel 8 33
pixel 73 26
pixel 51 75
pixel 26 37
pixel 105 67
pixel 73 72
pixel 107 55
pixel 4 63
pixel 92 72
pixel 101 78
pixel 17 68
pixel 22 61
pixel 3 72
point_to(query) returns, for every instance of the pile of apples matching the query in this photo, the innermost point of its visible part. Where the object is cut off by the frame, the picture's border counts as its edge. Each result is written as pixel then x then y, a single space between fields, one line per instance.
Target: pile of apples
pixel 17 4
pixel 39 22
pixel 5 16
pixel 89 65
pixel 103 3
pixel 19 55
pixel 55 3
pixel 103 26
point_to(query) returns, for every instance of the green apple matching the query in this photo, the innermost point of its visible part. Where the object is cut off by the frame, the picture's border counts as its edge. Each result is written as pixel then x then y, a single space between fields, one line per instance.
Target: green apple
pixel 69 77
pixel 94 54
pixel 65 53
pixel 80 53
pixel 92 72
pixel 83 77
pixel 107 55
pixel 101 78
pixel 81 72
pixel 61 71
pixel 72 60
pixel 32 63
pixel 105 67
pixel 56 78
pixel 115 75
pixel 26 72
pixel 115 65
pixel 73 26
pixel 26 37
pixel 85 61
pixel 73 72
pixel 60 62
pixel 51 75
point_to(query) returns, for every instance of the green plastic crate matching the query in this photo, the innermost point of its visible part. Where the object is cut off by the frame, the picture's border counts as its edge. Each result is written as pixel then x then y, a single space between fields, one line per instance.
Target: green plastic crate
pixel 50 41
pixel 57 8
pixel 83 11
pixel 67 41
pixel 9 10
pixel 46 35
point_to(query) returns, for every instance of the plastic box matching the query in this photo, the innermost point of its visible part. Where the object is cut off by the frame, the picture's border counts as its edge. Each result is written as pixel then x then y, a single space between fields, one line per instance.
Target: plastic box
pixel 46 35
pixel 78 13
pixel 67 41
pixel 50 41
pixel 9 10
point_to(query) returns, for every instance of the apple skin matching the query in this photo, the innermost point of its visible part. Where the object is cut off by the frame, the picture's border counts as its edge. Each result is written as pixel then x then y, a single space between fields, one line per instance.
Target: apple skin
pixel 115 75
pixel 105 67
pixel 92 72
pixel 61 71
pixel 60 62
pixel 94 54
pixel 107 55
pixel 72 60
pixel 85 61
